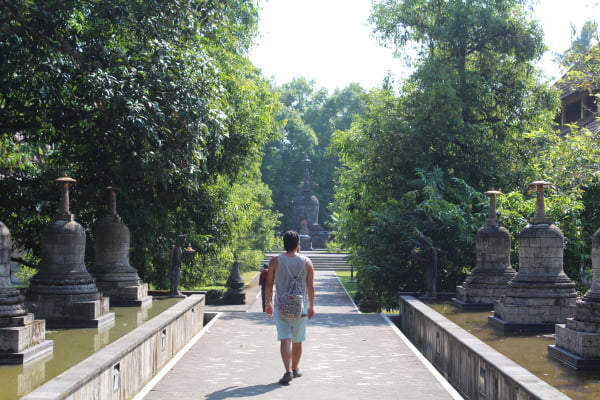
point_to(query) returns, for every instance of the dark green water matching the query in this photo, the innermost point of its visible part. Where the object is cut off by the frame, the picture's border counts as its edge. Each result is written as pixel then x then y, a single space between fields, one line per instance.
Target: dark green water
pixel 72 346
pixel 531 352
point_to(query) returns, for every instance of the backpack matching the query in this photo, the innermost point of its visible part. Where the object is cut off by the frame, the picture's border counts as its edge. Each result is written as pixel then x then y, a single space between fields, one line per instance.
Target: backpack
pixel 290 303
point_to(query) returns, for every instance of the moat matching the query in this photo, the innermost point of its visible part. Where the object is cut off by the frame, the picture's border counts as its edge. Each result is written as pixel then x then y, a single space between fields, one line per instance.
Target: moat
pixel 531 352
pixel 72 346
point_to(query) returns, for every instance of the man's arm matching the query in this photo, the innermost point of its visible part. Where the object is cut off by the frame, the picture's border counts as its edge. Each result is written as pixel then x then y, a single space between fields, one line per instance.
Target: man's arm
pixel 310 288
pixel 269 286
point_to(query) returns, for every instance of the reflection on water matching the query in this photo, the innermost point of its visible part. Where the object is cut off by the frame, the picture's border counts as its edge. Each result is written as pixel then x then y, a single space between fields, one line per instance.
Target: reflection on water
pixel 531 352
pixel 72 346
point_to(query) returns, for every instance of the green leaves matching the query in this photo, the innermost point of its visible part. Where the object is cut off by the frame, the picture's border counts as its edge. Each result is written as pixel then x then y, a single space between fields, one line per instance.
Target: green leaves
pixel 309 119
pixel 155 97
pixel 416 164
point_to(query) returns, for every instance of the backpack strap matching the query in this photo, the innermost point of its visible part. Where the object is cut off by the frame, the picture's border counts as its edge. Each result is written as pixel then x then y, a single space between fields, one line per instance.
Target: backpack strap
pixel 289 271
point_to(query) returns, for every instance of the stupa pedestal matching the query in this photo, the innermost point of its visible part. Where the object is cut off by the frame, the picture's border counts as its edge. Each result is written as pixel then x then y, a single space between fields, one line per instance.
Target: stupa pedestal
pixel 319 236
pixel 115 276
pixel 63 292
pixel 22 338
pixel 578 339
pixel 541 294
pixel 487 281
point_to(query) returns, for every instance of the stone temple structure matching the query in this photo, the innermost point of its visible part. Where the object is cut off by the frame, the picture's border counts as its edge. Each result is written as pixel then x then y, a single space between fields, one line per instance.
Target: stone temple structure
pixel 63 292
pixel 487 281
pixel 22 338
pixel 305 208
pixel 578 340
pixel 541 294
pixel 115 276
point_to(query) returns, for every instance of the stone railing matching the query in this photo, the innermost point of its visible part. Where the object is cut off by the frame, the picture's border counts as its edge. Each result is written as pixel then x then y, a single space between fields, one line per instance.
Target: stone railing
pixel 475 369
pixel 121 369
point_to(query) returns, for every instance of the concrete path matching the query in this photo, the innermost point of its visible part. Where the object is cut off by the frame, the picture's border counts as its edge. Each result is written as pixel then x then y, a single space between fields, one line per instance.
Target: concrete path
pixel 347 355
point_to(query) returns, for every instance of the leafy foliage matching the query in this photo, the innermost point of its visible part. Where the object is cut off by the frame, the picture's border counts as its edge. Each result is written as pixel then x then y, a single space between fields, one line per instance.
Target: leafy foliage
pixel 155 97
pixel 309 118
pixel 579 151
pixel 417 162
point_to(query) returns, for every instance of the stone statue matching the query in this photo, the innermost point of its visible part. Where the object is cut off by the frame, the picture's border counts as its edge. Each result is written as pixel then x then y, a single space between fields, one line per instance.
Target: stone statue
pixel 175 265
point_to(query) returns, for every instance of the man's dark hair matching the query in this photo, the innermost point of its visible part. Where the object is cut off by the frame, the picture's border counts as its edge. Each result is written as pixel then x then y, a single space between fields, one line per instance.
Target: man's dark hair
pixel 290 240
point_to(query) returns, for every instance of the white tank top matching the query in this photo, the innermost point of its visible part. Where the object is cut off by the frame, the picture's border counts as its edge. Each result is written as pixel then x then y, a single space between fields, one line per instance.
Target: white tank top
pixel 297 266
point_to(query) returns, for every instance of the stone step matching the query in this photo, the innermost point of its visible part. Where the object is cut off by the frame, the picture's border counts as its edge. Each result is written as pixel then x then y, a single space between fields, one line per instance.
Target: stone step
pixel 322 260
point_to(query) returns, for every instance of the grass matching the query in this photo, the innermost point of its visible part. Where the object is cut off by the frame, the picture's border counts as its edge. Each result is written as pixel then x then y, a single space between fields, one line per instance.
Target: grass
pixel 345 278
pixel 351 288
pixel 249 275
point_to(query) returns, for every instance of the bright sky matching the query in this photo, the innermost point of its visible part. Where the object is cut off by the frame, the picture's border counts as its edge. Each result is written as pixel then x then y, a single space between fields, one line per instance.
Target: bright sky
pixel 329 41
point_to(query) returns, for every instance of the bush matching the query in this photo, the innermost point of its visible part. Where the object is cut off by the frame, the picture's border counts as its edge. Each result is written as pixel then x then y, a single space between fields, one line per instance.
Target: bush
pixel 24 274
pixel 215 296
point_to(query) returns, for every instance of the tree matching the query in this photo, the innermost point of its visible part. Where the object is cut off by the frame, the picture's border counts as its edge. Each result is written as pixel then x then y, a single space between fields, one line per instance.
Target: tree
pixel 282 166
pixel 586 37
pixel 382 217
pixel 157 98
pixel 578 159
pixel 310 116
pixel 580 44
pixel 336 112
pixel 474 91
pixel 457 128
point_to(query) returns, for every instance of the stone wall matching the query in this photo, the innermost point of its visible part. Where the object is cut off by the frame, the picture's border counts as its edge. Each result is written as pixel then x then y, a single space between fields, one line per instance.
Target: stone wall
pixel 475 369
pixel 121 369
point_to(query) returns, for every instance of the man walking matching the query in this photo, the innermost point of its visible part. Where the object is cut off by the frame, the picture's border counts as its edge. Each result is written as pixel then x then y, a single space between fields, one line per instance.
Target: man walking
pixel 290 332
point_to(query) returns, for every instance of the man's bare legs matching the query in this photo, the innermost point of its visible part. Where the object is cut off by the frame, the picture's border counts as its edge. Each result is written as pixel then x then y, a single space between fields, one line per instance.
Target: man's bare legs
pixel 290 354
pixel 296 354
pixel 286 354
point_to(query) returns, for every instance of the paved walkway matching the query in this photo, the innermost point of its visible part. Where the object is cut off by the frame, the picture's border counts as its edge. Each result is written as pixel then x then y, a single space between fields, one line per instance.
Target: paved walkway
pixel 347 355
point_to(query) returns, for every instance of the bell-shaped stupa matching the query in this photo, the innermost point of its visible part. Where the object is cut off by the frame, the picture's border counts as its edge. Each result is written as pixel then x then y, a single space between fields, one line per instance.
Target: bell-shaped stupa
pixel 578 339
pixel 541 294
pixel 22 338
pixel 115 276
pixel 63 292
pixel 487 281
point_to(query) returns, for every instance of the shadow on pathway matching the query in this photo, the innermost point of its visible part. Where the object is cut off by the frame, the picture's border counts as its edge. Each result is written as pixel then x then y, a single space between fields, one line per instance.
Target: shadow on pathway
pixel 347 355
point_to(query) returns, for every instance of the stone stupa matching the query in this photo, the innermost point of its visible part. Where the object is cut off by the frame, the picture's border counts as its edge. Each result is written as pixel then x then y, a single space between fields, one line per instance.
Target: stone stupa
pixel 541 294
pixel 578 339
pixel 487 281
pixel 115 276
pixel 63 292
pixel 22 338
